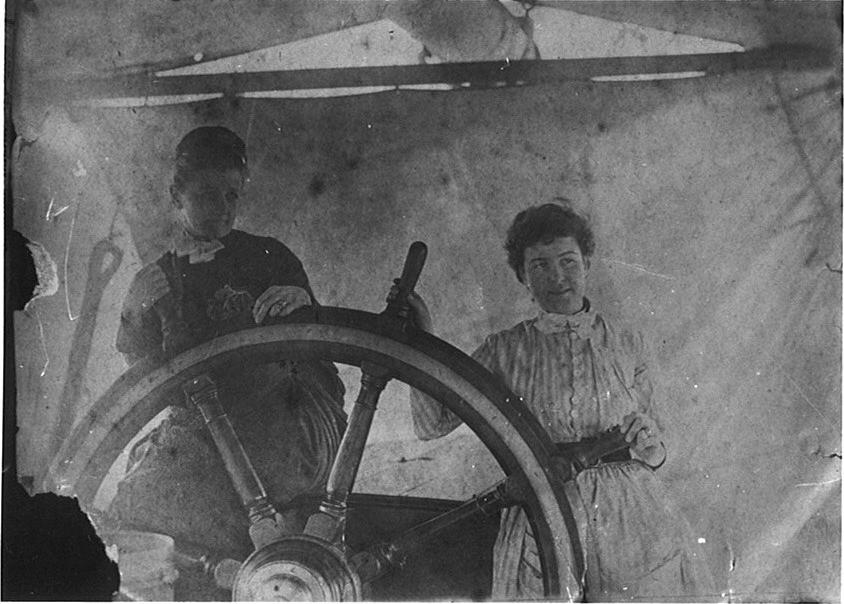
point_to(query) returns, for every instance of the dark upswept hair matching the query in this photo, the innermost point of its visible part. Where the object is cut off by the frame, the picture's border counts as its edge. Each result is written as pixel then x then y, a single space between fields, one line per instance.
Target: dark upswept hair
pixel 208 148
pixel 543 224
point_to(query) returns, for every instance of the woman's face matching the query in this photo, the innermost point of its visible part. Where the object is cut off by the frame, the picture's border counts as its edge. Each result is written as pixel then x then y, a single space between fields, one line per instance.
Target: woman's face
pixel 555 274
pixel 207 204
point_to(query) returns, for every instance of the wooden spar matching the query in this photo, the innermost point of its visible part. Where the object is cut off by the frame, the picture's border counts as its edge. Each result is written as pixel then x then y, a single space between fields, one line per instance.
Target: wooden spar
pixel 478 74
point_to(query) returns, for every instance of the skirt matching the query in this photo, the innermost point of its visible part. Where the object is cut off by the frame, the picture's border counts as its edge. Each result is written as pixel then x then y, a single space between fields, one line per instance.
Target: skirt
pixel 290 425
pixel 637 547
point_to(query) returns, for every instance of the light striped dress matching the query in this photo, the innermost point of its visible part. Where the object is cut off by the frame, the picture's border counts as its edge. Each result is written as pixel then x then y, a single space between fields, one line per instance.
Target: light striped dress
pixel 580 376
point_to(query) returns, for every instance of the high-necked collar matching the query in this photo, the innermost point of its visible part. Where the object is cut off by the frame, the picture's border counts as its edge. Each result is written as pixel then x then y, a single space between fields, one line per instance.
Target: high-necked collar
pixel 197 250
pixel 580 322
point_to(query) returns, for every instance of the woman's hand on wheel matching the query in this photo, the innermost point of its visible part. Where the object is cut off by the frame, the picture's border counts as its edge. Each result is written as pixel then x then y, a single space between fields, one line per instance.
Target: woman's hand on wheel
pixel 279 301
pixel 644 436
pixel 419 310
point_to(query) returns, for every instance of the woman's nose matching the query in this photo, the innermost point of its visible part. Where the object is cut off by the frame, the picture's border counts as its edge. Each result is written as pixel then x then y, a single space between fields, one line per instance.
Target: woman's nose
pixel 217 202
pixel 558 274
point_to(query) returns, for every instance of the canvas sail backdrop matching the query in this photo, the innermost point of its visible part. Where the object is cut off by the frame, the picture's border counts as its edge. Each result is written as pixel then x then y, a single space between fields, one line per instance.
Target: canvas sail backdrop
pixel 716 204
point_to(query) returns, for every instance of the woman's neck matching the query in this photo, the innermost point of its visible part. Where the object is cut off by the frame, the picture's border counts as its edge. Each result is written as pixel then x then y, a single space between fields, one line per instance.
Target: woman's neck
pixel 583 308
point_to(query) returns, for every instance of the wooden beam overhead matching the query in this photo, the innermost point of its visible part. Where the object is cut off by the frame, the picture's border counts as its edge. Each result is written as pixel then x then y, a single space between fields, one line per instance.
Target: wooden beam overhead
pixel 480 74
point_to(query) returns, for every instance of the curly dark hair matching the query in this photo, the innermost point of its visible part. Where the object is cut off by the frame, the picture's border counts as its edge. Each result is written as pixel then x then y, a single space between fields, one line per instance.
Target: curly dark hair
pixel 543 224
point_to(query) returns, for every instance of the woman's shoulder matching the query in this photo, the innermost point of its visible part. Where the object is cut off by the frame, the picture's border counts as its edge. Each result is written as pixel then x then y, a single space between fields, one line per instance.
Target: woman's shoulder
pixel 268 245
pixel 163 263
pixel 617 331
pixel 238 237
pixel 501 345
pixel 512 335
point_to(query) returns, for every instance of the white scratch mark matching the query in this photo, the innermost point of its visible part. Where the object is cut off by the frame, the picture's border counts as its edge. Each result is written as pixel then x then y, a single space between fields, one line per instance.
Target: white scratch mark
pixel 640 268
pixel 732 562
pixel 817 484
pixel 66 256
pixel 43 343
pixel 60 210
pixel 803 395
pixel 50 213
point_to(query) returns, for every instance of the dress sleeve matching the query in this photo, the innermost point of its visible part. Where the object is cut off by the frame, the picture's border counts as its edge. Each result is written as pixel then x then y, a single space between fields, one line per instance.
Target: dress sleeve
pixel 642 384
pixel 432 419
pixel 139 333
pixel 286 268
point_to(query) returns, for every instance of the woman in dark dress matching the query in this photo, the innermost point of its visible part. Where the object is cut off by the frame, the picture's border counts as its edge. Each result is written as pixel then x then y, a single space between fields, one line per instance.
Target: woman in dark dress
pixel 214 280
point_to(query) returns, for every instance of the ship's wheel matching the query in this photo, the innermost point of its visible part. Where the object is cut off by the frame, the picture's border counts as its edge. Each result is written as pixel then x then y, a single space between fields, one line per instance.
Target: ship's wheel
pixel 316 564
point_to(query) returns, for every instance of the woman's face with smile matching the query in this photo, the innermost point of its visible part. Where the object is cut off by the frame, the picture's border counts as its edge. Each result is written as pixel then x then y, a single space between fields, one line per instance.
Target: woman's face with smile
pixel 555 274
pixel 207 204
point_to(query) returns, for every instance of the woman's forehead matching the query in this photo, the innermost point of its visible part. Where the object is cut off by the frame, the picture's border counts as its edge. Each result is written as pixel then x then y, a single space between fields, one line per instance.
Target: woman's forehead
pixel 551 249
pixel 215 178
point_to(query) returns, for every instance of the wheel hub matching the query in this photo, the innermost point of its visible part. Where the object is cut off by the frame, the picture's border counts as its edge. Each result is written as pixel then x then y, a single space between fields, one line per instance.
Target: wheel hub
pixel 297 568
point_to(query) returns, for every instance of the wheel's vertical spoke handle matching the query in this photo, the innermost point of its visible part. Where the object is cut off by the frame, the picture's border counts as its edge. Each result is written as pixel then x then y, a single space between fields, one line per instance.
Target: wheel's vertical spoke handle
pixel 329 522
pixel 397 305
pixel 265 524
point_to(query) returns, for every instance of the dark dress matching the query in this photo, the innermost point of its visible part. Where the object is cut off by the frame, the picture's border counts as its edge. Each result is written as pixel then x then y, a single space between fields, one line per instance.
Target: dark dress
pixel 288 415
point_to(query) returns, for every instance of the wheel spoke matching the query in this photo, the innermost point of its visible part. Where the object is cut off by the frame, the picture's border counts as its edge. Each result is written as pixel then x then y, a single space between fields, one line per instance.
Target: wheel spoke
pixel 265 524
pixel 329 522
pixel 375 561
pixel 501 421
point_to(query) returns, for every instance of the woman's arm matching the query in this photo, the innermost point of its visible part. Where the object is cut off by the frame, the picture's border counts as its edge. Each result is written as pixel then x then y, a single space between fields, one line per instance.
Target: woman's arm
pixel 139 334
pixel 431 419
pixel 642 427
pixel 288 288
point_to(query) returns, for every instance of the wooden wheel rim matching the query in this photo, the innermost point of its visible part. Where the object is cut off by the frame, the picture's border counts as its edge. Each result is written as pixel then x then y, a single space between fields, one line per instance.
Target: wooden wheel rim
pixel 499 418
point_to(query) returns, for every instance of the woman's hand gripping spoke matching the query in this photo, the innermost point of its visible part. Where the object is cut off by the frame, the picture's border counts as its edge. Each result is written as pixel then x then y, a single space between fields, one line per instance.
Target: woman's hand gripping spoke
pixel 420 314
pixel 644 436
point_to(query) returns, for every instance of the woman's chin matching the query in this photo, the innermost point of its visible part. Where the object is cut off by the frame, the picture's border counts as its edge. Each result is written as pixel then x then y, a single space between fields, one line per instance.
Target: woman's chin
pixel 562 307
pixel 217 232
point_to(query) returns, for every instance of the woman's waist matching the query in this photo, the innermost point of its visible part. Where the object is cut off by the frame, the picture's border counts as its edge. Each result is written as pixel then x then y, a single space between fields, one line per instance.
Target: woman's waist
pixel 255 378
pixel 268 391
pixel 605 447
